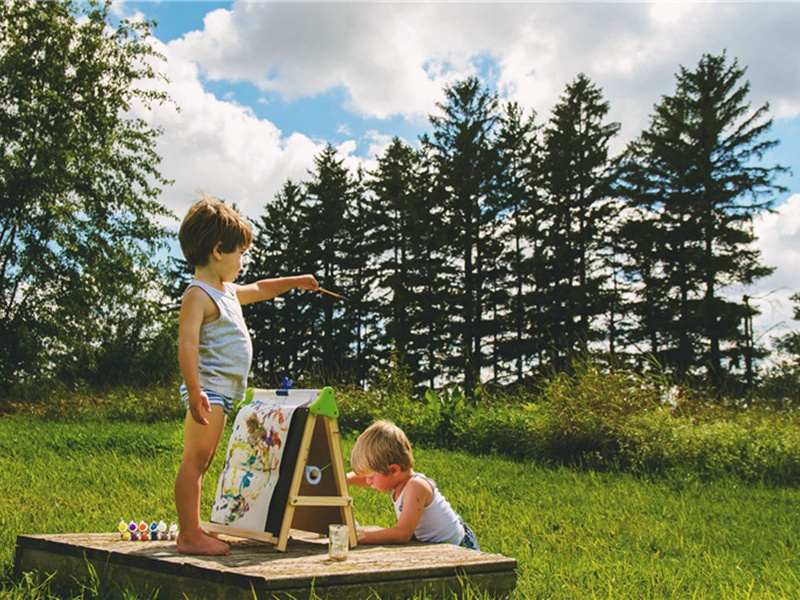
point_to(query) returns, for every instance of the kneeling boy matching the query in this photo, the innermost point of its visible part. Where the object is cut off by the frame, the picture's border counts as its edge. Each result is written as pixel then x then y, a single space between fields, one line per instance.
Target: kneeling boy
pixel 382 459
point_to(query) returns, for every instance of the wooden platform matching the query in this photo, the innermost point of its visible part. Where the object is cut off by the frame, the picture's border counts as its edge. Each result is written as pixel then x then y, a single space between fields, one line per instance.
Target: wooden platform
pixel 257 570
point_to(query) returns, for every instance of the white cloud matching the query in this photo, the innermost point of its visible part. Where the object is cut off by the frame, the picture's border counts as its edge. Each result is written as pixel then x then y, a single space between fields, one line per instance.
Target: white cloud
pixel 394 58
pixel 779 241
pixel 221 147
pixel 304 49
pixel 378 144
pixel 390 58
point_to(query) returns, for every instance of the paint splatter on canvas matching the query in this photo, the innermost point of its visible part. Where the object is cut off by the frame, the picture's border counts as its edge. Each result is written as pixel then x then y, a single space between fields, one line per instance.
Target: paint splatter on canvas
pixel 252 467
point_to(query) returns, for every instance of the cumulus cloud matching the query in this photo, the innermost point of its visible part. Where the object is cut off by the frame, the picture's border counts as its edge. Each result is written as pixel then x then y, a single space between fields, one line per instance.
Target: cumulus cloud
pixel 395 58
pixel 633 51
pixel 779 242
pixel 303 49
pixel 220 147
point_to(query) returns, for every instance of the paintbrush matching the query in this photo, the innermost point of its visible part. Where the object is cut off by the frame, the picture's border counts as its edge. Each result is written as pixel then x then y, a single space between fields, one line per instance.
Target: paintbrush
pixel 332 293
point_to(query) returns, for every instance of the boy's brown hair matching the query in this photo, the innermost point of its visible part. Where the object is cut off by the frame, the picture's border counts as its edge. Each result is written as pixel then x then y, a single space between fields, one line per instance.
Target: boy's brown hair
pixel 382 445
pixel 210 223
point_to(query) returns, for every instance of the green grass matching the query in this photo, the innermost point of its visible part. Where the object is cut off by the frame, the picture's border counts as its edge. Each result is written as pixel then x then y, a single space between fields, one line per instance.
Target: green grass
pixel 575 534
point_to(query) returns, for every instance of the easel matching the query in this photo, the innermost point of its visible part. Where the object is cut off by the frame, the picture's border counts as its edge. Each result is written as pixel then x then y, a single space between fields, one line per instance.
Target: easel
pixel 307 507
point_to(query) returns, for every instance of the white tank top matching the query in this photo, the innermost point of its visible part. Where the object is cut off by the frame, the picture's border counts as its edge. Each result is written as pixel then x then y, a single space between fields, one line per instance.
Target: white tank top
pixel 226 349
pixel 439 523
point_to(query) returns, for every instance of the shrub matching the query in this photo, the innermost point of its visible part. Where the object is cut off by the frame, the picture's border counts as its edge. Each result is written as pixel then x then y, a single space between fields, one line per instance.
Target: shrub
pixel 588 411
pixel 358 409
pixel 592 418
pixel 57 402
pixel 518 432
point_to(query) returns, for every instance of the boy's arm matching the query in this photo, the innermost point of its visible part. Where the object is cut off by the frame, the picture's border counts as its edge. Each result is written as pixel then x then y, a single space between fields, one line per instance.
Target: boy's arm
pixel 418 494
pixel 266 289
pixel 353 479
pixel 191 318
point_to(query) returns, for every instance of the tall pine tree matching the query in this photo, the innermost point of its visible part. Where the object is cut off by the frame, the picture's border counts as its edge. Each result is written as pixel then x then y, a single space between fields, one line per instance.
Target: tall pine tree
pixel 521 212
pixel 331 194
pixel 408 251
pixel 463 151
pixel 574 175
pixel 283 329
pixel 695 181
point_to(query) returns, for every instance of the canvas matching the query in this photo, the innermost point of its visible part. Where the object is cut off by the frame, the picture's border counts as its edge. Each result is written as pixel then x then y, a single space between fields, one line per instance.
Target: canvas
pixel 255 456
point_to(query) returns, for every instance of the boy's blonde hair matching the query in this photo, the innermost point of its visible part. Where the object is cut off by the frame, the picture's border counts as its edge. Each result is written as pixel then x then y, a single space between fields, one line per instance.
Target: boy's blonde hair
pixel 209 223
pixel 382 445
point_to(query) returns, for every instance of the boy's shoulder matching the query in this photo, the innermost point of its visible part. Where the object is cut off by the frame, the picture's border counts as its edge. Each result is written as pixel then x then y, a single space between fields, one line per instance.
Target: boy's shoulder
pixel 199 288
pixel 420 485
pixel 195 295
pixel 194 290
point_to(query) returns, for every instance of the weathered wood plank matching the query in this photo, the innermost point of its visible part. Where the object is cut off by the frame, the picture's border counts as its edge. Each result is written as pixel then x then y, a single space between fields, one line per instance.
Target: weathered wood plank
pixel 257 570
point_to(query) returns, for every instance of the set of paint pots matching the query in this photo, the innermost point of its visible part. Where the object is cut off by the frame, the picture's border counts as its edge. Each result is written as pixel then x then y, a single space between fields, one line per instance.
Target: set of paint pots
pixel 143 532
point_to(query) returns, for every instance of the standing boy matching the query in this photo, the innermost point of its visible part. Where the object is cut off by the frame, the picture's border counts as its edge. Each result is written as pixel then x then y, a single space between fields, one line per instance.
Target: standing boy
pixel 214 349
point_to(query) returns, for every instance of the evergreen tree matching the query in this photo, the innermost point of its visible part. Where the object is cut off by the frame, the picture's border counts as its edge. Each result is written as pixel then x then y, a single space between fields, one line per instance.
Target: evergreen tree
pixel 359 277
pixel 463 152
pixel 283 329
pixel 396 195
pixel 409 253
pixel 331 192
pixel 521 213
pixel 695 182
pixel 574 174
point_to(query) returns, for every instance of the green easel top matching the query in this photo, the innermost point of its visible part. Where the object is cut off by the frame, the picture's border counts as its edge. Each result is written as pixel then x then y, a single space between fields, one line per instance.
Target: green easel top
pixel 325 404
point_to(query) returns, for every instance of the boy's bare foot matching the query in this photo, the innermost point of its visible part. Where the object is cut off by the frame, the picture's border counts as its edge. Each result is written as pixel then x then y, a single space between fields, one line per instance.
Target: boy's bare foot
pixel 202 543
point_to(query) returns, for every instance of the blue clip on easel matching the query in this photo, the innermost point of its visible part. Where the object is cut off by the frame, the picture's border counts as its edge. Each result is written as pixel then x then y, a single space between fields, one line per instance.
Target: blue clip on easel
pixel 286 385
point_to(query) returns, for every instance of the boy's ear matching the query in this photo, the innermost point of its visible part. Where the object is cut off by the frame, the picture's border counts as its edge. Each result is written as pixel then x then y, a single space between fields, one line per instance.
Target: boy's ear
pixel 217 251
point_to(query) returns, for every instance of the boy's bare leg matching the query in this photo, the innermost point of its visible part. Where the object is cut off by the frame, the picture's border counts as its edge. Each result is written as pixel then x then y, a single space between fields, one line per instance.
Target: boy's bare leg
pixel 199 446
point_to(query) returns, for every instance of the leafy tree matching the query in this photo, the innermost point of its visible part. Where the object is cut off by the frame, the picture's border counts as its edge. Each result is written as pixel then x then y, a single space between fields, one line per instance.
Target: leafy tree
pixel 694 182
pixel 779 384
pixel 790 343
pixel 79 179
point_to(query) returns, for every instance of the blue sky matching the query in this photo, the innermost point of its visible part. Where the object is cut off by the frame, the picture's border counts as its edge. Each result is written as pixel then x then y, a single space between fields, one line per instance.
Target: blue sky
pixel 263 86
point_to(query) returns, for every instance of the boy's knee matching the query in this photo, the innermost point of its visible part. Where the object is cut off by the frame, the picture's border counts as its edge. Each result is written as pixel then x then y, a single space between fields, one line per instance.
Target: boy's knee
pixel 199 458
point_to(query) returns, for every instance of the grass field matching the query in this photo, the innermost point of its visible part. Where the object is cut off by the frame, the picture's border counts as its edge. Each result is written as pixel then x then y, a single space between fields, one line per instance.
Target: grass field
pixel 575 534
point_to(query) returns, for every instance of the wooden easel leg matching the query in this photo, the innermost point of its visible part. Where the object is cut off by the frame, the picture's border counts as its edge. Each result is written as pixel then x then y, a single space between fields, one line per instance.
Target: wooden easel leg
pixel 340 476
pixel 297 478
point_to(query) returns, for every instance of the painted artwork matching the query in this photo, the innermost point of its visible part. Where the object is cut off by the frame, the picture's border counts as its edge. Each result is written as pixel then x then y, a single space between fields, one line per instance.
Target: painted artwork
pixel 252 466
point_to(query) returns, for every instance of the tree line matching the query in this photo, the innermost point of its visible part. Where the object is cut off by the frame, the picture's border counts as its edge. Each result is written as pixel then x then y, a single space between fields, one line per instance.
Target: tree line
pixel 500 248
pixel 494 249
